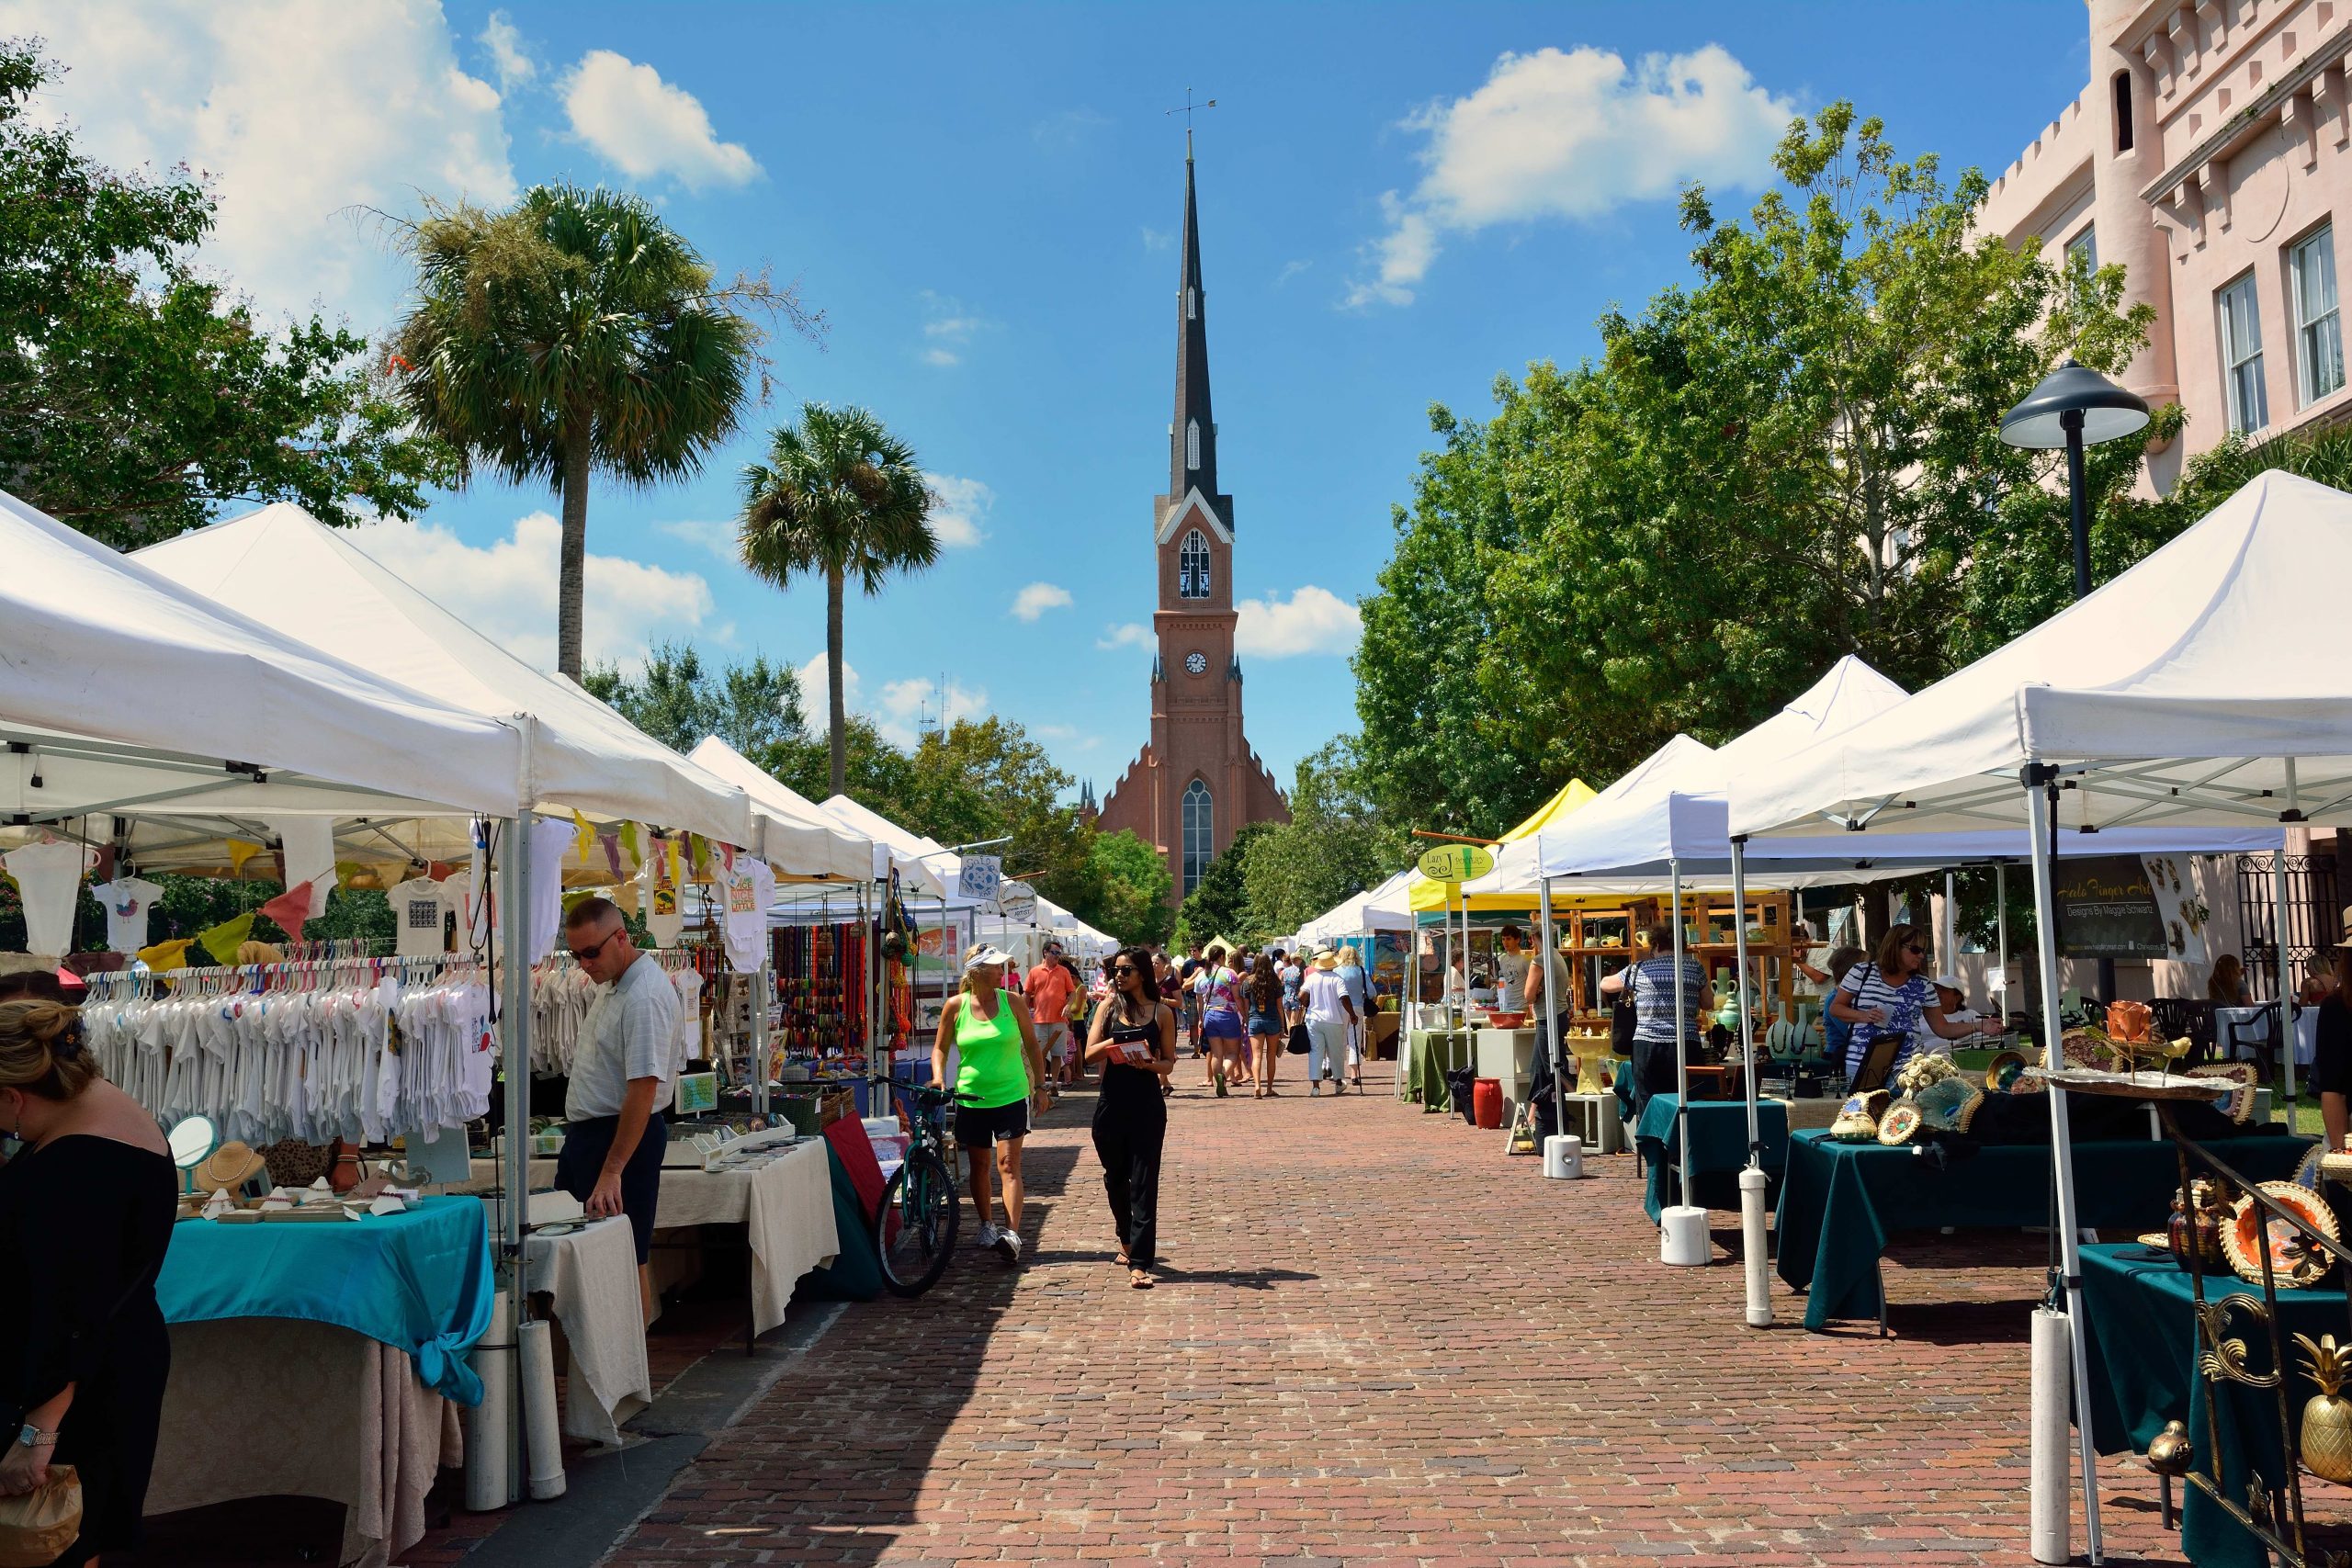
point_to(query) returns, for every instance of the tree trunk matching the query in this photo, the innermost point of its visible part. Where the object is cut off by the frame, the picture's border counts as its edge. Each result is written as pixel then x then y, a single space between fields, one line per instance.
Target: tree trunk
pixel 571 571
pixel 838 716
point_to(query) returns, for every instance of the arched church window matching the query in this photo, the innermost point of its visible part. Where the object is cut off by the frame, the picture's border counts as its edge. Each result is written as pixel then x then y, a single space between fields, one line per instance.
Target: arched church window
pixel 1191 442
pixel 1193 566
pixel 1199 834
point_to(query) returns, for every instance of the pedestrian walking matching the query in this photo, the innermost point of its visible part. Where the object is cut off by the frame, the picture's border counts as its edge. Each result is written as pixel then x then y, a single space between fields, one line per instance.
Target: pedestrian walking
pixel 1133 1042
pixel 1221 1007
pixel 1650 985
pixel 1000 1074
pixel 1328 1014
pixel 1049 990
pixel 1267 1031
pixel 1357 982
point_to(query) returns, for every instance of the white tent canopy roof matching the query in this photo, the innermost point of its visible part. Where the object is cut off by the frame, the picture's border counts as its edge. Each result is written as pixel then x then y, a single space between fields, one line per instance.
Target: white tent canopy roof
pixel 1517 864
pixel 1381 909
pixel 922 866
pixel 795 836
pixel 282 564
pixel 134 696
pixel 2206 687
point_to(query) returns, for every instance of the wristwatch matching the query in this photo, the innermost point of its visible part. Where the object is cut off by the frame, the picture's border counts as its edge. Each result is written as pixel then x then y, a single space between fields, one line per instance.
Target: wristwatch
pixel 31 1437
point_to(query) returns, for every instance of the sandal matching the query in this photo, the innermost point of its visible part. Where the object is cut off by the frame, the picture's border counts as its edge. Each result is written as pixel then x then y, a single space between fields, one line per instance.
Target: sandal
pixel 1122 1259
pixel 1138 1281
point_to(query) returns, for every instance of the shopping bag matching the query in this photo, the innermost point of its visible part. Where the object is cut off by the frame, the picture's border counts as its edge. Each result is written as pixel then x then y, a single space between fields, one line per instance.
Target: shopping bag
pixel 37 1528
pixel 1298 1042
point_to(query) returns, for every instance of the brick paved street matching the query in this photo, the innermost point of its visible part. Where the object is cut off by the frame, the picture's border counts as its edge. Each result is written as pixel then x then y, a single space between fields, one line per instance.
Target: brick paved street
pixel 1383 1342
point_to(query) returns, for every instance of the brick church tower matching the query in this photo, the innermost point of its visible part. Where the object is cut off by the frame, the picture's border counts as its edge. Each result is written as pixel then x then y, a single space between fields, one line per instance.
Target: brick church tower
pixel 1197 782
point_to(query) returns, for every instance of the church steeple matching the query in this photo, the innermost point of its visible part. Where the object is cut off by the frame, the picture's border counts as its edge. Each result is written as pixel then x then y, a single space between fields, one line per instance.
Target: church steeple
pixel 1193 441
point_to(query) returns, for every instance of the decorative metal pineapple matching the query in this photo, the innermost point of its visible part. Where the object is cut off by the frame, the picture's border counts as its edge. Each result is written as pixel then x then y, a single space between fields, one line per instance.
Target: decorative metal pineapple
pixel 2326 1441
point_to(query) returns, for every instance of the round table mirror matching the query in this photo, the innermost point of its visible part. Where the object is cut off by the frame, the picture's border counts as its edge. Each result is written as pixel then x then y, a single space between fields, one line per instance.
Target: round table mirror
pixel 192 1140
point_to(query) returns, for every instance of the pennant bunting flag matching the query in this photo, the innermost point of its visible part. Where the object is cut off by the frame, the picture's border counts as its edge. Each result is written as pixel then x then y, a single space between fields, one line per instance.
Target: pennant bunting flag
pixel 223 939
pixel 240 852
pixel 291 908
pixel 166 955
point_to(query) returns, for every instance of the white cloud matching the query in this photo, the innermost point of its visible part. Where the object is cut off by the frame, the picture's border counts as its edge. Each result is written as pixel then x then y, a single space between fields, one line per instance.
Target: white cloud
pixel 506 590
pixel 957 510
pixel 1039 597
pixel 1133 634
pixel 1290 270
pixel 907 704
pixel 1156 239
pixel 950 329
pixel 645 127
pixel 300 116
pixel 813 695
pixel 503 42
pixel 719 538
pixel 1573 134
pixel 1316 620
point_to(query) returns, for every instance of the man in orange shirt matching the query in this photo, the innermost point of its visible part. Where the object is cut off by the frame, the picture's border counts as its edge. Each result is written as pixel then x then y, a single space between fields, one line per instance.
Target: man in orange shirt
pixel 1049 992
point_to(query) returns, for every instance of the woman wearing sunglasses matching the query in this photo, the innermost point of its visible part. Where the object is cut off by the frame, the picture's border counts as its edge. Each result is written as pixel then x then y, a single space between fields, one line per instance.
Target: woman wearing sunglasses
pixel 1887 1000
pixel 1133 1042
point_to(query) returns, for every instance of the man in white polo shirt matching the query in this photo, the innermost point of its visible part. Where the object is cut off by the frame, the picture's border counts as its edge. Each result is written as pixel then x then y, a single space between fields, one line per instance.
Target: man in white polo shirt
pixel 613 1131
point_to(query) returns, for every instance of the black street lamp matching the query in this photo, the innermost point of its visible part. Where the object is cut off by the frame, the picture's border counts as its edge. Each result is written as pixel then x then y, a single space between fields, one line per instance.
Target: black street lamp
pixel 2074 407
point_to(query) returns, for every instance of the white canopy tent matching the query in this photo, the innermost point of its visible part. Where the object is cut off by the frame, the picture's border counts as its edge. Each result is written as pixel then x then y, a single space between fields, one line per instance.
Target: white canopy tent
pixel 797 837
pixel 917 860
pixel 1381 909
pixel 126 693
pixel 2203 688
pixel 312 583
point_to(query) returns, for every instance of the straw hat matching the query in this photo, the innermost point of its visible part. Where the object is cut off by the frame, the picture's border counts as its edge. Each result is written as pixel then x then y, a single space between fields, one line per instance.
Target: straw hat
pixel 228 1167
pixel 1327 958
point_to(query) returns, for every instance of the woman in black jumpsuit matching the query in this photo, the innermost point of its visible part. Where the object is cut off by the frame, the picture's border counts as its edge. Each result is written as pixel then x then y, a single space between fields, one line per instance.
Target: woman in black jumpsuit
pixel 1133 1039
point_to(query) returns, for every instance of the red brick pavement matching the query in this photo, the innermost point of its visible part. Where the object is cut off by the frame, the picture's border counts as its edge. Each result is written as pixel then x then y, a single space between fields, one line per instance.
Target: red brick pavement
pixel 1381 1341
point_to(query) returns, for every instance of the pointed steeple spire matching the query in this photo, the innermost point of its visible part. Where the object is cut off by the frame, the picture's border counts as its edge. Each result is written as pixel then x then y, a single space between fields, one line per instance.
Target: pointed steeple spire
pixel 1193 443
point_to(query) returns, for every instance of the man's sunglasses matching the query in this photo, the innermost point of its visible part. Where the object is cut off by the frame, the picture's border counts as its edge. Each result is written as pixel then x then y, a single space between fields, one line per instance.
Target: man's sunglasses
pixel 582 954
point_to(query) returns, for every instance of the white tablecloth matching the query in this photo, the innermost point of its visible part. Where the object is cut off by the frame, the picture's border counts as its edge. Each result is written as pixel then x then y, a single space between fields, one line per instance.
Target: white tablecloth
pixel 592 1275
pixel 286 1407
pixel 2254 1026
pixel 785 1205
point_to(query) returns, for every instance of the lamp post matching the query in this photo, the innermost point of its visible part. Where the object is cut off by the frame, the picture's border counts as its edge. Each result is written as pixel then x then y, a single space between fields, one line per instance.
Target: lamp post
pixel 2074 407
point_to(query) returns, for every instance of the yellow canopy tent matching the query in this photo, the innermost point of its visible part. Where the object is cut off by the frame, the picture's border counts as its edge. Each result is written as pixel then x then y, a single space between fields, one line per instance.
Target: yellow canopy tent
pixel 1425 894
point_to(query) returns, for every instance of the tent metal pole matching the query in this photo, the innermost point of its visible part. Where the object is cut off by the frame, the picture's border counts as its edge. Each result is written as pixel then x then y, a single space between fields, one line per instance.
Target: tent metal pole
pixel 2285 974
pixel 1551 1004
pixel 2039 779
pixel 1681 1033
pixel 1950 935
pixel 1747 1024
pixel 763 993
pixel 2001 938
pixel 514 891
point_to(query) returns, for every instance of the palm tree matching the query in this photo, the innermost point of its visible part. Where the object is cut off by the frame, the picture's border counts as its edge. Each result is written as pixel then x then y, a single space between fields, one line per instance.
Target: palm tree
pixel 840 496
pixel 572 333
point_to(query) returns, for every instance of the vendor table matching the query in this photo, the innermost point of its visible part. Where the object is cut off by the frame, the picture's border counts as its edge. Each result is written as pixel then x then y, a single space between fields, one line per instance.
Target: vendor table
pixel 346 1343
pixel 785 1208
pixel 590 1276
pixel 1718 1130
pixel 2142 1339
pixel 1428 1054
pixel 1507 1056
pixel 1840 1204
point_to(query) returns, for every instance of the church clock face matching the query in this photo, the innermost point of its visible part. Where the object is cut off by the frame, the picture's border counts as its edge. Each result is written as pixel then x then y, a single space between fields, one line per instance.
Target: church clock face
pixel 1196 663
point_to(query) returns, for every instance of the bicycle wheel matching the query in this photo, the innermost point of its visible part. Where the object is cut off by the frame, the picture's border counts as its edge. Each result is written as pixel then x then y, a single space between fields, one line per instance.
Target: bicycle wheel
pixel 914 1233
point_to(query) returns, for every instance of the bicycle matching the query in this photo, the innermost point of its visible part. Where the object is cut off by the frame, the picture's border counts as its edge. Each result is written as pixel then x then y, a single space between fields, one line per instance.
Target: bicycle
pixel 914 1229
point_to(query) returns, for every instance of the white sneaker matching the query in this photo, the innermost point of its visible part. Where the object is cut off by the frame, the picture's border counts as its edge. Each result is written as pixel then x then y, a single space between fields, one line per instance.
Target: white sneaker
pixel 1008 1246
pixel 987 1236
pixel 1314 1088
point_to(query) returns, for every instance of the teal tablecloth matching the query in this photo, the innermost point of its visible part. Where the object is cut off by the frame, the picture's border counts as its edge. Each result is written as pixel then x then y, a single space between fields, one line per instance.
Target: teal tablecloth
pixel 1840 1204
pixel 420 1282
pixel 2143 1341
pixel 1718 1150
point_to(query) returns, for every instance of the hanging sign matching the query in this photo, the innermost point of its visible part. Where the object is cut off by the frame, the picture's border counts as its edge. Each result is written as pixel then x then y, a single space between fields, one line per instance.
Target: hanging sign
pixel 2107 908
pixel 982 875
pixel 1456 862
pixel 1018 902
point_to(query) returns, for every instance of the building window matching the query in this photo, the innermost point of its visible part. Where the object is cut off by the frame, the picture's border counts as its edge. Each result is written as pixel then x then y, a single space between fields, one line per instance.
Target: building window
pixel 2241 327
pixel 2086 246
pixel 1192 304
pixel 1199 835
pixel 1193 566
pixel 2123 112
pixel 1191 443
pixel 2319 332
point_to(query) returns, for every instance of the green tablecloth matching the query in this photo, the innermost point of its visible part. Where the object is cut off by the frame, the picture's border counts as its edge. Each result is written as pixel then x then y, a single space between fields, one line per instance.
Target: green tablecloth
pixel 1428 1054
pixel 1718 1150
pixel 1841 1203
pixel 2142 1342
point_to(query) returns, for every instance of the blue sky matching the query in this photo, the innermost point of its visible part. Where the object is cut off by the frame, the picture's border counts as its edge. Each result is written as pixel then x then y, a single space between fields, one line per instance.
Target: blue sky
pixel 1399 202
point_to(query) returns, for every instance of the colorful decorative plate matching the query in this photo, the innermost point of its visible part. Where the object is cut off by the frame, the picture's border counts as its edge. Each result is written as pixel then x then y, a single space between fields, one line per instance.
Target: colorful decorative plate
pixel 2243 1079
pixel 2157 1239
pixel 2086 1048
pixel 1943 1102
pixel 2307 1172
pixel 1899 1123
pixel 2294 1263
pixel 2001 1072
pixel 2030 1081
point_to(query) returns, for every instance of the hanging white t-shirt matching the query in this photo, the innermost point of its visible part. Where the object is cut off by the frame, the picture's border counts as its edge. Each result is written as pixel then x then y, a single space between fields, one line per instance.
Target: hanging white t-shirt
pixel 551 840
pixel 746 893
pixel 418 907
pixel 48 878
pixel 127 902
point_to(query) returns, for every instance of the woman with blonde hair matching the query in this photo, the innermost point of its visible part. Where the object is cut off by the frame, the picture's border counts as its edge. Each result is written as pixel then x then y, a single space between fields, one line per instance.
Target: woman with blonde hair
pixel 86 1205
pixel 1000 1074
pixel 1889 998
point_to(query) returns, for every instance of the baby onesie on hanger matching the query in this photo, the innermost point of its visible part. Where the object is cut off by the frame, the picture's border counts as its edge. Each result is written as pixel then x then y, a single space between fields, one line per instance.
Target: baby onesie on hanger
pixel 127 901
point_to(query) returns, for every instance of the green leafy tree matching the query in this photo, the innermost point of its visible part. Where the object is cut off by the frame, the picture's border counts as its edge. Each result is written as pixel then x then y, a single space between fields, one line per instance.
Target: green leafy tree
pixel 576 333
pixel 843 499
pixel 1218 905
pixel 753 705
pixel 1127 892
pixel 1336 844
pixel 138 394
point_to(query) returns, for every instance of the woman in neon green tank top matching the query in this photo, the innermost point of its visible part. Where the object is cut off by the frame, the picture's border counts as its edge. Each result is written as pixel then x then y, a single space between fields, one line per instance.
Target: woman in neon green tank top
pixel 1000 1071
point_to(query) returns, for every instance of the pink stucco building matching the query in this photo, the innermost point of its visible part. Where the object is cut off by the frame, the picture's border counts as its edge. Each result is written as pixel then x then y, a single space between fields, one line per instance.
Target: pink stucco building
pixel 2212 155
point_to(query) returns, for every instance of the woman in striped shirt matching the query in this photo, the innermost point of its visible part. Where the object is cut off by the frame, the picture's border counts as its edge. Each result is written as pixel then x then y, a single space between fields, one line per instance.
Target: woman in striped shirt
pixel 1889 997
